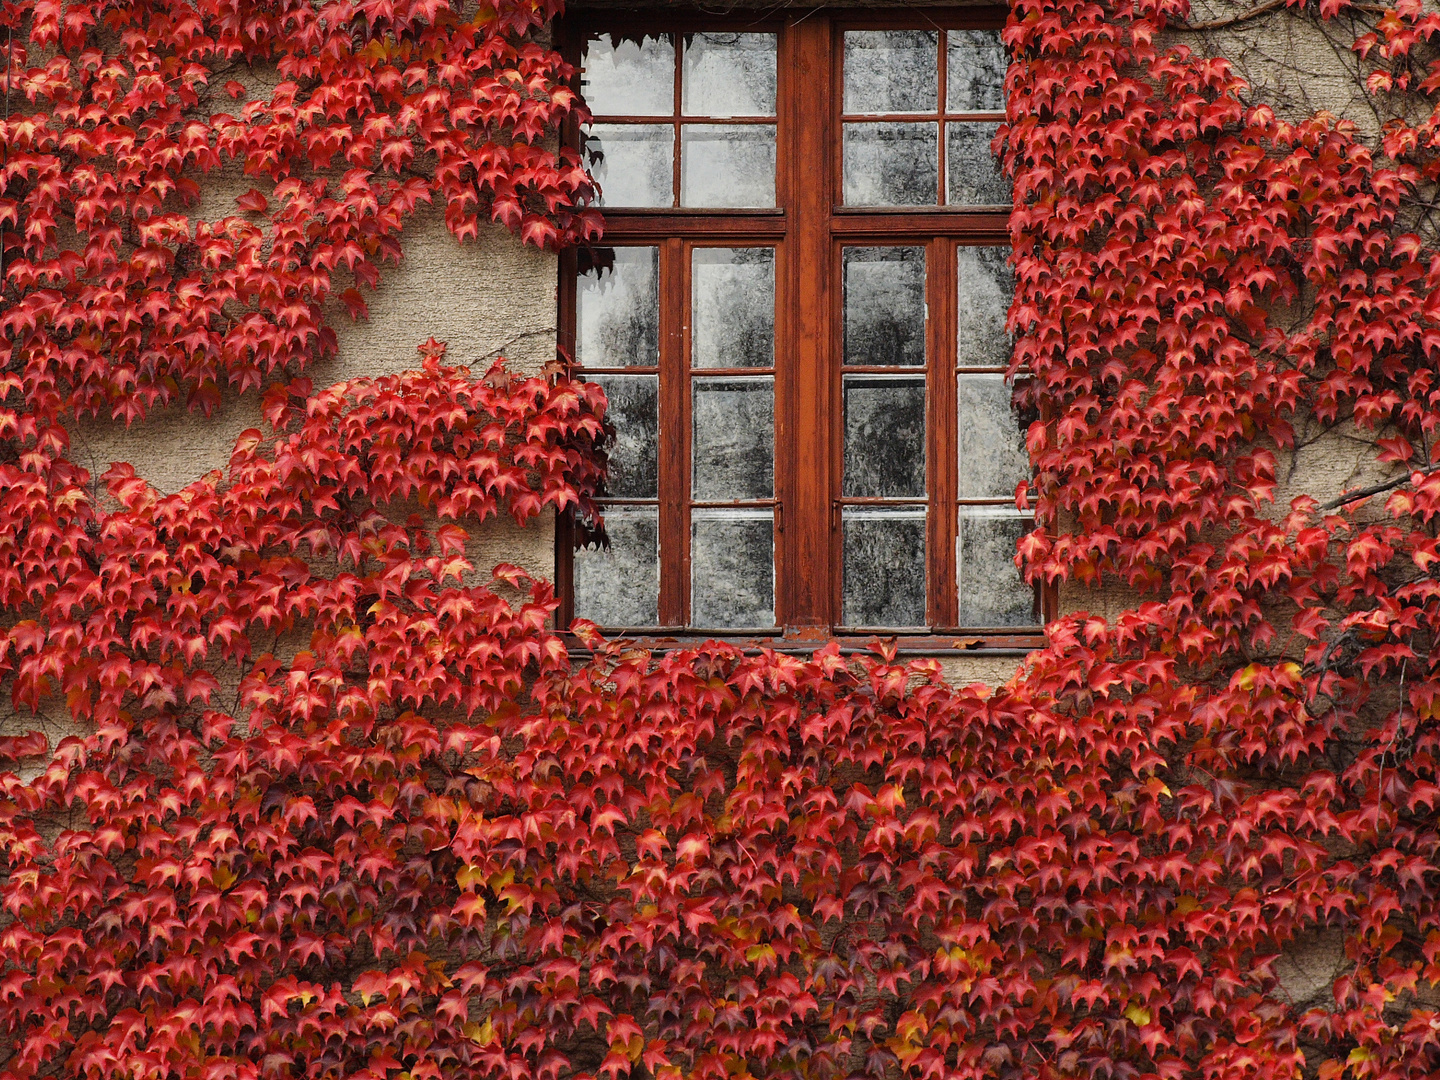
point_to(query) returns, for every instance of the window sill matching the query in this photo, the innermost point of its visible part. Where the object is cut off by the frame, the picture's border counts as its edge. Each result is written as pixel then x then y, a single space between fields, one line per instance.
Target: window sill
pixel 911 645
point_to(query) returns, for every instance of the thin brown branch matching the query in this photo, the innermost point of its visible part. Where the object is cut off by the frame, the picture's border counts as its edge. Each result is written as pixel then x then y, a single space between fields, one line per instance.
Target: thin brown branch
pixel 1230 20
pixel 1263 9
pixel 1376 489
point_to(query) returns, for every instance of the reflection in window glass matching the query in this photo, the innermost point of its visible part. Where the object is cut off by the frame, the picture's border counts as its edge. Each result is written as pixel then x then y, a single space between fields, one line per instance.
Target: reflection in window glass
pixel 986 286
pixel 891 71
pixel 973 176
pixel 884 436
pixel 732 307
pixel 634 410
pixel 732 568
pixel 883 583
pixel 632 163
pixel 975 71
pixel 884 305
pixel 891 164
pixel 620 585
pixel 727 165
pixel 733 448
pixel 991 446
pixel 992 593
pixel 617 309
pixel 729 75
pixel 629 78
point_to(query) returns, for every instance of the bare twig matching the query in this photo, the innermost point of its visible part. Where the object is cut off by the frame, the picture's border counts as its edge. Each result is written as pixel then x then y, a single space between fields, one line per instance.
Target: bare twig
pixel 1376 489
pixel 1263 9
pixel 1230 20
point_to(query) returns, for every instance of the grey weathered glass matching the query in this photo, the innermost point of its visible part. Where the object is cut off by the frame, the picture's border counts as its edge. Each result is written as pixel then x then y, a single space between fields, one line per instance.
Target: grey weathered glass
pixel 620 585
pixel 617 310
pixel 634 409
pixel 991 590
pixel 729 75
pixel 975 71
pixel 986 287
pixel 884 436
pixel 883 582
pixel 632 163
pixel 727 165
pixel 732 307
pixel 891 71
pixel 891 164
pixel 992 451
pixel 972 172
pixel 884 305
pixel 732 569
pixel 733 442
pixel 629 78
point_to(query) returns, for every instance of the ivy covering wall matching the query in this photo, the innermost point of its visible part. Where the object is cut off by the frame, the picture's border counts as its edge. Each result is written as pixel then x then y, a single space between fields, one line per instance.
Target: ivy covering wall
pixel 333 802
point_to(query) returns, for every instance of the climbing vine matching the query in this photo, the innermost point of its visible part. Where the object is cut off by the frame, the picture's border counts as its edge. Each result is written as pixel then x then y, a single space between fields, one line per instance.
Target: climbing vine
pixel 310 794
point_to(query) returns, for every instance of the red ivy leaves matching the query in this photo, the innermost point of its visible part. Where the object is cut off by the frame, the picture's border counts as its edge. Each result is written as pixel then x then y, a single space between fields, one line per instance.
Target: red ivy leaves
pixel 331 806
pixel 1167 236
pixel 118 299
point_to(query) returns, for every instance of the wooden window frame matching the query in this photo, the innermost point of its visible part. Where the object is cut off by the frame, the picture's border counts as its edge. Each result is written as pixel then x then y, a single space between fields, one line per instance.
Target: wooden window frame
pixel 808 227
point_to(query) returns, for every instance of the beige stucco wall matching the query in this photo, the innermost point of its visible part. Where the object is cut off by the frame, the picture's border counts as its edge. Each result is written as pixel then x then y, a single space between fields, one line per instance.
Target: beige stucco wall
pixel 488 298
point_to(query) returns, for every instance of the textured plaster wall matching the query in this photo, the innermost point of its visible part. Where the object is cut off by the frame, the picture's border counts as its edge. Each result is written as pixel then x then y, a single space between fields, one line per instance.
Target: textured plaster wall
pixel 1292 62
pixel 486 298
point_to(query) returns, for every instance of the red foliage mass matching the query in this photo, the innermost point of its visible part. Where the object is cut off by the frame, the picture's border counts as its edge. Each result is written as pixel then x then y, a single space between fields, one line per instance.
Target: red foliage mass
pixel 330 806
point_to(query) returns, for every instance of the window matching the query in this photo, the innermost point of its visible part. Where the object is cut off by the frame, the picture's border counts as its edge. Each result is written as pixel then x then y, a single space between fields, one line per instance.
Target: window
pixel 798 317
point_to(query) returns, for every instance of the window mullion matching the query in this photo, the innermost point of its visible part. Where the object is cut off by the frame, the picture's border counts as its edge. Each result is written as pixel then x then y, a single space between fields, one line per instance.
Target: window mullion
pixel 674 463
pixel 806 383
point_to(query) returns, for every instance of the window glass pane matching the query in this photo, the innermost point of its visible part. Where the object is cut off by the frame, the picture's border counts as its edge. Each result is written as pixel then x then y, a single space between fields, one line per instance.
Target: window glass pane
pixel 732 307
pixel 891 71
pixel 629 78
pixel 884 305
pixel 733 446
pixel 620 585
pixel 972 172
pixel 884 576
pixel 732 569
pixel 884 436
pixel 617 309
pixel 992 448
pixel 632 163
pixel 634 409
pixel 729 75
pixel 986 287
pixel 991 590
pixel 727 165
pixel 894 164
pixel 975 71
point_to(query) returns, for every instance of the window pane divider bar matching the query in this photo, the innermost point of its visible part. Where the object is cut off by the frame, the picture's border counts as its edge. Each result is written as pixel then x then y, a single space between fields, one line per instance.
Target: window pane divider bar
pixel 922 222
pixel 942 95
pixel 734 504
pixel 941 526
pixel 679 53
pixel 688 119
pixel 674 436
pixel 907 118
